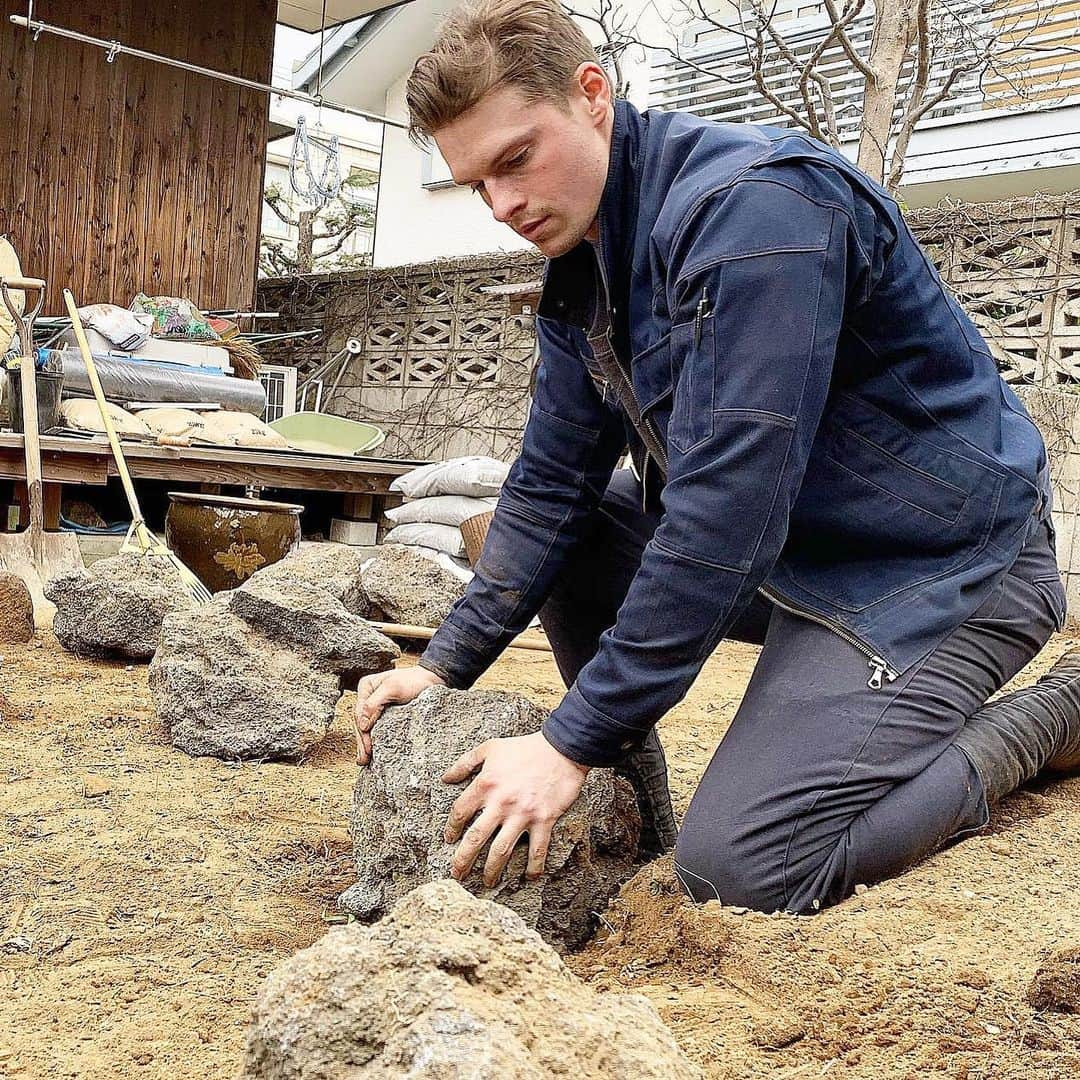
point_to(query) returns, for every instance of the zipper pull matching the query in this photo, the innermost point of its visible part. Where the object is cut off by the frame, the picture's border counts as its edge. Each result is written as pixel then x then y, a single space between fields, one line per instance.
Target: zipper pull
pixel 699 318
pixel 879 672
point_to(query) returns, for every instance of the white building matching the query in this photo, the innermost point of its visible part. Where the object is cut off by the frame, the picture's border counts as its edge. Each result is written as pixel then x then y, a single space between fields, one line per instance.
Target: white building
pixel 360 141
pixel 983 143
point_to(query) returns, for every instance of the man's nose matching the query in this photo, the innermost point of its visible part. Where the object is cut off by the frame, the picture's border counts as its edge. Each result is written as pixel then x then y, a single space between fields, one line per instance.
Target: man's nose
pixel 506 202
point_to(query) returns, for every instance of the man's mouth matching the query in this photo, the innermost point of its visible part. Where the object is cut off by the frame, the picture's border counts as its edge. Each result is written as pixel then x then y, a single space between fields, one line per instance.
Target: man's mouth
pixel 532 228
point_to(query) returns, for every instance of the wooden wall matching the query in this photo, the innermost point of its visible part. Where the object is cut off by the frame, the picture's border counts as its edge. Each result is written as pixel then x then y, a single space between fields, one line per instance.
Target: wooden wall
pixel 135 175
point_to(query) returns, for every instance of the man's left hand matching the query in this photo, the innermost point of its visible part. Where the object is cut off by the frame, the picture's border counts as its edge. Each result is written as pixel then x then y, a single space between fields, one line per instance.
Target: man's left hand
pixel 524 786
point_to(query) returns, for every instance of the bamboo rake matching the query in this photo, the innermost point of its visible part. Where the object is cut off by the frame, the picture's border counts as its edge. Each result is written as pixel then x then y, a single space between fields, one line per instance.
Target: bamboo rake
pixel 146 543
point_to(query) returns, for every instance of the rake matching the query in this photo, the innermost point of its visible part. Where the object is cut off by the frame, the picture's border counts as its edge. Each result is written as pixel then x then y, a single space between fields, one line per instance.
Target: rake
pixel 139 538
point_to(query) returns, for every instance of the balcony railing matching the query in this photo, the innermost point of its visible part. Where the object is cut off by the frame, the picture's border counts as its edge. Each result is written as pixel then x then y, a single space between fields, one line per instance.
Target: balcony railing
pixel 1036 46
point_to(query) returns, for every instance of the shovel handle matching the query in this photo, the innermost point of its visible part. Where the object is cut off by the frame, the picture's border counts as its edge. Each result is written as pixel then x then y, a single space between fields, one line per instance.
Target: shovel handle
pixel 24 321
pixel 24 283
pixel 32 452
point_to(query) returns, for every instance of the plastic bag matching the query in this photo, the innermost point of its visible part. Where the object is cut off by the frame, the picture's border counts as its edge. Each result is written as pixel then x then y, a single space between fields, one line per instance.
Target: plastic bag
pixel 175 317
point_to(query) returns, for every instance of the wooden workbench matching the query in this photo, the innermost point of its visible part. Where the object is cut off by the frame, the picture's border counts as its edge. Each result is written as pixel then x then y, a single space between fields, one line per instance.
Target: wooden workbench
pixel 66 460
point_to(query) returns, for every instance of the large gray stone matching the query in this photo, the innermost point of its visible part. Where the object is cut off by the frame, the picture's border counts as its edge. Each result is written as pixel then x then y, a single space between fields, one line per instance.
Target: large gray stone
pixel 400 807
pixel 223 689
pixel 305 616
pixel 115 607
pixel 333 567
pixel 448 987
pixel 407 588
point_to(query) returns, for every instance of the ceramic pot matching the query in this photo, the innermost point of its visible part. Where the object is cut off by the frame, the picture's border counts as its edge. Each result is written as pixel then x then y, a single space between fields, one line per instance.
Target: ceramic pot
pixel 225 540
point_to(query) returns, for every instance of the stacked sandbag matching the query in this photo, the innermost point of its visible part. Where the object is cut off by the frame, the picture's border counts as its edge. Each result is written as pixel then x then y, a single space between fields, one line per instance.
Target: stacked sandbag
pixel 218 427
pixel 438 498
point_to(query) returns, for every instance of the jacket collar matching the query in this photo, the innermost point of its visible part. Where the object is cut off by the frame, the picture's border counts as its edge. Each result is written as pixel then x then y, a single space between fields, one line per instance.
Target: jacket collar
pixel 569 280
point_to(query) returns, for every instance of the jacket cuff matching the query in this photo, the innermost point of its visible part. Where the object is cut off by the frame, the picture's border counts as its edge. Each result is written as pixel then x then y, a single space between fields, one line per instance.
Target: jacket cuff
pixel 456 660
pixel 587 736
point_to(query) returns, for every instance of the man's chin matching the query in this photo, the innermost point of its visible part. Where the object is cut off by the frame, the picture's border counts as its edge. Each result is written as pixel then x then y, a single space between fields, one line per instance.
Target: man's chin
pixel 552 247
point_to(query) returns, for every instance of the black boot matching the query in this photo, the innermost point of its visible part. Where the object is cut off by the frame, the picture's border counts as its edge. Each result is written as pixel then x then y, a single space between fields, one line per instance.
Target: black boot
pixel 1012 739
pixel 646 769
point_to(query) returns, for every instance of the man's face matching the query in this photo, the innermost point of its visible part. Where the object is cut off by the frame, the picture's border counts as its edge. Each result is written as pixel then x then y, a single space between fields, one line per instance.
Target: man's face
pixel 539 168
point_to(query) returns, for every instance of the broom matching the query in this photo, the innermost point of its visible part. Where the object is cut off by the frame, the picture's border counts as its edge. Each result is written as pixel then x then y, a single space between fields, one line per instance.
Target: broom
pixel 139 538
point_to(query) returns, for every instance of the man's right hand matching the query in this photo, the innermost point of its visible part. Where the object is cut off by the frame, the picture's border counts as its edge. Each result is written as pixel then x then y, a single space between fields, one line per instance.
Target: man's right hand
pixel 375 692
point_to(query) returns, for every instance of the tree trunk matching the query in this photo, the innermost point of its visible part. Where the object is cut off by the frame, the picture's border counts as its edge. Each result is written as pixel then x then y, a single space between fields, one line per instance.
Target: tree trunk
pixel 305 244
pixel 894 32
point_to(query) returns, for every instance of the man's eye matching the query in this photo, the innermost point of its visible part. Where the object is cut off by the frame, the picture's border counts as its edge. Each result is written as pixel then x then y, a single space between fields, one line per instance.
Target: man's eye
pixel 517 160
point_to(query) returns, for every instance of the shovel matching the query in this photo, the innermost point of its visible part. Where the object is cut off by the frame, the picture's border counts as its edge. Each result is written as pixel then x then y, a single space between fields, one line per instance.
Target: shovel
pixel 34 555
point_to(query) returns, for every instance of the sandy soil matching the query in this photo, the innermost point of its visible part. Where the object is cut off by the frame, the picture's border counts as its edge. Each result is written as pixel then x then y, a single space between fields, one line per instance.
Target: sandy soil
pixel 145 895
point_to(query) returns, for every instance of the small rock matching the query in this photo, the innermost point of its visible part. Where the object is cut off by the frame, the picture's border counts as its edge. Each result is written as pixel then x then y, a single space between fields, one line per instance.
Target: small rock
pixel 16 610
pixel 974 977
pixel 95 787
pixel 1056 984
pixel 448 986
pixel 860 889
pixel 11 713
pixel 776 1031
pixel 408 588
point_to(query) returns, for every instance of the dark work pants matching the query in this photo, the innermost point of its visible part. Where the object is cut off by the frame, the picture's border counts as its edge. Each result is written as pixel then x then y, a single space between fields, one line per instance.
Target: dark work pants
pixel 821 782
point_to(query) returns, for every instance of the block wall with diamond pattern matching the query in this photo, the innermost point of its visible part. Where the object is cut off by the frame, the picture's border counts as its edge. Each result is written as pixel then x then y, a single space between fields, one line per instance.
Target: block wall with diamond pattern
pixel 444 365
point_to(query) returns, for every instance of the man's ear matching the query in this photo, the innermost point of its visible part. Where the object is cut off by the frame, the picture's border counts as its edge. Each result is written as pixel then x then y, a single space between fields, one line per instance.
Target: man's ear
pixel 593 84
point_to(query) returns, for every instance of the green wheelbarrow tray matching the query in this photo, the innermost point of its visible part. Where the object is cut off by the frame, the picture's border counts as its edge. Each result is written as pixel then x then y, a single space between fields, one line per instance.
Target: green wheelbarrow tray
pixel 321 433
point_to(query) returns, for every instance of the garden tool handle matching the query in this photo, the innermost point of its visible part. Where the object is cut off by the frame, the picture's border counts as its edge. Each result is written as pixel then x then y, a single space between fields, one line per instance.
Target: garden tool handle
pixel 24 285
pixel 138 525
pixel 32 453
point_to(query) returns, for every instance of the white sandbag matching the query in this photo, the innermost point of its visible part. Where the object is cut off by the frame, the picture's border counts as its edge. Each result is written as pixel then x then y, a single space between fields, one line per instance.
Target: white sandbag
pixel 477 476
pixel 458 567
pixel 240 429
pixel 428 534
pixel 83 414
pixel 174 423
pixel 440 509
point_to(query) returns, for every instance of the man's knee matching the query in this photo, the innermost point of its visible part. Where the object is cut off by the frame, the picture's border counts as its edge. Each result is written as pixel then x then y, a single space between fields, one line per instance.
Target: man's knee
pixel 722 862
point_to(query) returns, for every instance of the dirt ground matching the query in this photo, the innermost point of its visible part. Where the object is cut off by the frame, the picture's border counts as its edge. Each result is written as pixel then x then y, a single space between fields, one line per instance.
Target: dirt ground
pixel 144 895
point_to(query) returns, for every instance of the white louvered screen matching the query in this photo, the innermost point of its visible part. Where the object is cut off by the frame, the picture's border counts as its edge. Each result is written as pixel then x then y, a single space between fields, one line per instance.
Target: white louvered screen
pixel 280 385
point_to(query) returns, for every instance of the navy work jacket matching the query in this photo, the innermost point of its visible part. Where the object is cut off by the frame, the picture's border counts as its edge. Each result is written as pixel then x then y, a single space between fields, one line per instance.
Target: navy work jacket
pixel 816 415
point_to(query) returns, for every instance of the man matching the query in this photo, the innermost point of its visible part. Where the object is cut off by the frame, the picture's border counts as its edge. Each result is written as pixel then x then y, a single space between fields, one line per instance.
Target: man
pixel 826 463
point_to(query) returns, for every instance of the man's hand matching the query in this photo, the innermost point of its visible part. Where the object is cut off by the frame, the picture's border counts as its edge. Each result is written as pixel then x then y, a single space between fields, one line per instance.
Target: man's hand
pixel 375 692
pixel 524 786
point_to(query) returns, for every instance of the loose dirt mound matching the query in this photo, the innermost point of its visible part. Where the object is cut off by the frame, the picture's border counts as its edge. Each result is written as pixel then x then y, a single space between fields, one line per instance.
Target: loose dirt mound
pixel 925 975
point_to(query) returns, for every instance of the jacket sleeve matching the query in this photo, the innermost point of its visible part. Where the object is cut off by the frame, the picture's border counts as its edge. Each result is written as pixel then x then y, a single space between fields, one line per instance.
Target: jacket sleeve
pixel 750 376
pixel 572 441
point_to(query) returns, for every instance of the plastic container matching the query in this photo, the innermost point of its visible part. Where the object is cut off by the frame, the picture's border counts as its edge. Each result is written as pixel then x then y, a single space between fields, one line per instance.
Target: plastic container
pixel 49 385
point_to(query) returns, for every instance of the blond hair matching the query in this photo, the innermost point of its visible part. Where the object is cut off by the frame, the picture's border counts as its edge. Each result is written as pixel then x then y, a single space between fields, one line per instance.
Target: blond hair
pixel 532 45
